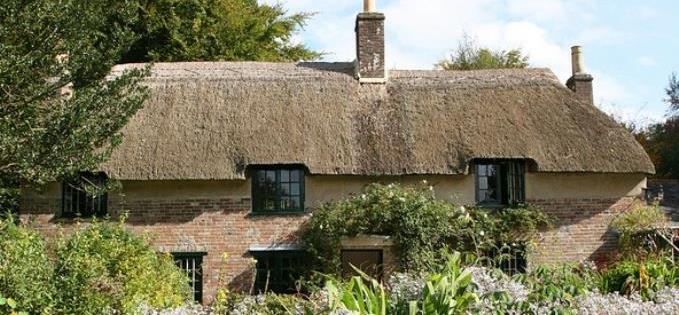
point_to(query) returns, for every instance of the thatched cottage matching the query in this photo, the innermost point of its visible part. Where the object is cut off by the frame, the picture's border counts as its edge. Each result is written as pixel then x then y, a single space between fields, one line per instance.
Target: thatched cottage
pixel 231 157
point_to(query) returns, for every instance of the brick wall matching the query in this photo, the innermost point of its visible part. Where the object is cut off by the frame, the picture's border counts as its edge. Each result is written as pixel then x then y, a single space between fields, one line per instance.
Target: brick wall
pixel 580 229
pixel 215 226
pixel 220 222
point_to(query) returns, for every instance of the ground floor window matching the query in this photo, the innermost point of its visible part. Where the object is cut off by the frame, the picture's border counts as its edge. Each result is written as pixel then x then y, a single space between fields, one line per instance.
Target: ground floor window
pixel 192 265
pixel 511 259
pixel 278 270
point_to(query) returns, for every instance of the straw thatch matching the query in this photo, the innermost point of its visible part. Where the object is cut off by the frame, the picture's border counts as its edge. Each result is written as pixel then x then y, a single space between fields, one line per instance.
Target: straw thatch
pixel 212 120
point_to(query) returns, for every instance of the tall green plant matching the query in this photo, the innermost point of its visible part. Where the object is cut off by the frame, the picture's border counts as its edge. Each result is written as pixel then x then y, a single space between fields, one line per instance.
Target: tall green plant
pixel 358 296
pixel 448 292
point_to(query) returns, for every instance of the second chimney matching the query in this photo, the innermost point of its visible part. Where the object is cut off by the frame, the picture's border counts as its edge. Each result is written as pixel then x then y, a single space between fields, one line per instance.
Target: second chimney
pixel 580 82
pixel 370 67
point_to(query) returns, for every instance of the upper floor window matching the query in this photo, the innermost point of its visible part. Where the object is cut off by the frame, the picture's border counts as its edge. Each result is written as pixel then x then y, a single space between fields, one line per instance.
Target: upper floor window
pixel 499 182
pixel 278 189
pixel 82 197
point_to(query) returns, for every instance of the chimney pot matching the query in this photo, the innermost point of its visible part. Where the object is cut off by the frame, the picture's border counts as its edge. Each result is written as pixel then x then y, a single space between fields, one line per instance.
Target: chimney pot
pixel 576 60
pixel 580 82
pixel 368 6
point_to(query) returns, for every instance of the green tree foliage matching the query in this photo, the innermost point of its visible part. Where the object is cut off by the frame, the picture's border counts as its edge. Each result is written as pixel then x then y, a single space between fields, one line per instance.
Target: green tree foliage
pixel 469 56
pixel 46 49
pixel 205 30
pixel 673 93
pixel 661 140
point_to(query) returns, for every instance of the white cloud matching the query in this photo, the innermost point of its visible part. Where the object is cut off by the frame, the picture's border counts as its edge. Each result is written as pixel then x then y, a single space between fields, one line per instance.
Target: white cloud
pixel 419 33
pixel 647 61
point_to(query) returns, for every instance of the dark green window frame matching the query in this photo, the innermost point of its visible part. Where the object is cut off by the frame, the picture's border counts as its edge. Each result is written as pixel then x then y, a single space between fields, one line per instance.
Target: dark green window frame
pixel 191 263
pixel 277 271
pixel 277 189
pixel 76 202
pixel 503 179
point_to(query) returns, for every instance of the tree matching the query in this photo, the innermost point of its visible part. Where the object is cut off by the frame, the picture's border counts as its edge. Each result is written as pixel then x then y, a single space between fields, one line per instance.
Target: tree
pixel 59 112
pixel 672 92
pixel 469 56
pixel 212 30
pixel 661 140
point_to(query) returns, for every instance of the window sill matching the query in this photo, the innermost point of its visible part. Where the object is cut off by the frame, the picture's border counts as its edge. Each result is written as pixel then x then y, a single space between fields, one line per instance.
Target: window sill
pixel 277 213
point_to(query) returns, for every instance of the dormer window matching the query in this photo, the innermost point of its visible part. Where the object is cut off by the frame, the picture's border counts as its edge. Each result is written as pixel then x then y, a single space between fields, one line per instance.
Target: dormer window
pixel 499 182
pixel 278 189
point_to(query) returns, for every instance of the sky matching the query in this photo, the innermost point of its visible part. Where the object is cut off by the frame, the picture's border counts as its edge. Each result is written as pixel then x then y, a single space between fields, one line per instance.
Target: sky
pixel 630 47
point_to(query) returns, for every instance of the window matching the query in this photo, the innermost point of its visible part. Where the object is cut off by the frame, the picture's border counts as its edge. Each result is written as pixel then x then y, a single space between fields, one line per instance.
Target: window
pixel 192 265
pixel 499 182
pixel 279 189
pixel 510 259
pixel 278 271
pixel 76 201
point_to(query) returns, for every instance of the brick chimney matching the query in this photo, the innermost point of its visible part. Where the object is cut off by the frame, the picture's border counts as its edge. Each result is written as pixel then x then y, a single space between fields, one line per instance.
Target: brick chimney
pixel 370 66
pixel 580 82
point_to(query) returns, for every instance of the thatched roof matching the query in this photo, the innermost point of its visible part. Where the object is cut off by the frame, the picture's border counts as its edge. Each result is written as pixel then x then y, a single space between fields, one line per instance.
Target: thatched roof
pixel 212 120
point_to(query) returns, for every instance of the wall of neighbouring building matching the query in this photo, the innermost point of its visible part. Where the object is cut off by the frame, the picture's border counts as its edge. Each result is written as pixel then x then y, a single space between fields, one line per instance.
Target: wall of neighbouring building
pixel 214 216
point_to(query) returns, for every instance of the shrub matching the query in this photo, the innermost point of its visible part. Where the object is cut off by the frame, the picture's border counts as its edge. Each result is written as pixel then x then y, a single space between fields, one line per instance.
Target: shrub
pixel 25 269
pixel 637 227
pixel 645 277
pixel 421 225
pixel 105 268
pixel 268 304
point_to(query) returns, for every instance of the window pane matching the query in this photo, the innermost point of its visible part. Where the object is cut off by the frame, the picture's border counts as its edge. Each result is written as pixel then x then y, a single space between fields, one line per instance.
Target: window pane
pixel 269 204
pixel 261 179
pixel 285 176
pixel 295 175
pixel 285 189
pixel 481 170
pixel 271 176
pixel 492 170
pixel 294 189
pixel 482 196
pixel 295 203
pixel 285 203
pixel 483 182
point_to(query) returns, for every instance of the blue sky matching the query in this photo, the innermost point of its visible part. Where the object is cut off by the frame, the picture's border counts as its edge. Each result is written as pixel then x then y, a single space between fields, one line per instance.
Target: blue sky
pixel 631 47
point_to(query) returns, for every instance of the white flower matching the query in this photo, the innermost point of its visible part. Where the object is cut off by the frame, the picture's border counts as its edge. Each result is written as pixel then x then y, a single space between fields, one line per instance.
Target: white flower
pixel 401 199
pixel 482 233
pixel 462 209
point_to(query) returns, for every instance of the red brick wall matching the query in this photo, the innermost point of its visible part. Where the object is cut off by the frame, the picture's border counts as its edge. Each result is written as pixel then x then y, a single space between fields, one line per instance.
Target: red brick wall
pixel 215 226
pixel 580 229
pixel 219 225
